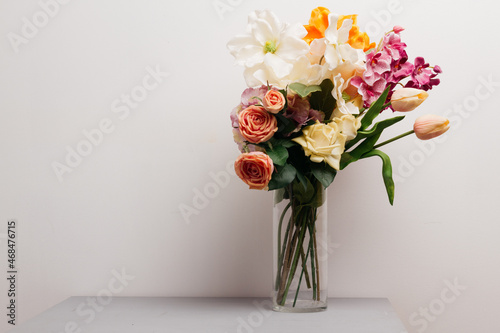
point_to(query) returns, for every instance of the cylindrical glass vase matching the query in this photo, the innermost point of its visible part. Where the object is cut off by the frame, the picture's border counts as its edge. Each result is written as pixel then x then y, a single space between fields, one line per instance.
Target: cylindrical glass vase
pixel 300 248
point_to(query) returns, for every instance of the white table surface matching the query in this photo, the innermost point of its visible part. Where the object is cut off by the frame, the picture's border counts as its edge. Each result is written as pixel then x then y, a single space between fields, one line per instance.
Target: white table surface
pixel 210 315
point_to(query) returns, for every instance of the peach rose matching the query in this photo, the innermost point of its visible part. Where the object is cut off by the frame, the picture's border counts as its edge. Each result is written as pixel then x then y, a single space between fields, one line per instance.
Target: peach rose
pixel 274 101
pixel 256 124
pixel 255 169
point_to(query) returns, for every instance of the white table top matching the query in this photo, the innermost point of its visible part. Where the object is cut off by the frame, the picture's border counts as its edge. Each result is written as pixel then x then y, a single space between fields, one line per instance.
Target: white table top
pixel 210 315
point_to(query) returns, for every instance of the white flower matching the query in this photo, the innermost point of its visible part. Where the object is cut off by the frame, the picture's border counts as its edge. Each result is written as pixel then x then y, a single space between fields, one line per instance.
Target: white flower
pixel 348 125
pixel 302 71
pixel 338 51
pixel 317 50
pixel 269 47
pixel 342 107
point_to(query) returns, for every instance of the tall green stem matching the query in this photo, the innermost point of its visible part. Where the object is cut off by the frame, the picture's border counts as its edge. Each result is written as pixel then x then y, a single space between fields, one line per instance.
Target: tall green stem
pixel 281 248
pixel 393 139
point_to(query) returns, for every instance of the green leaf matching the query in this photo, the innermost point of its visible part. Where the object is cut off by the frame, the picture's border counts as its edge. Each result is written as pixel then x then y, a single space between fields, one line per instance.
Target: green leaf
pixel 376 129
pixel 285 125
pixel 287 143
pixel 304 195
pixel 282 177
pixel 324 173
pixel 279 195
pixel 278 154
pixel 302 179
pixel 357 152
pixel 303 90
pixel 374 110
pixel 386 172
pixel 319 198
pixel 323 100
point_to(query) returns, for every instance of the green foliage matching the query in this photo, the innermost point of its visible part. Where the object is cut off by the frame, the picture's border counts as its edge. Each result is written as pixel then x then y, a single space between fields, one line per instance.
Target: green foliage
pixel 285 125
pixel 386 172
pixel 302 90
pixel 294 172
pixel 374 110
pixel 375 130
pixel 323 100
pixel 302 179
pixel 302 194
pixel 278 154
pixel 324 173
pixel 287 143
pixel 280 195
pixel 282 176
pixel 364 147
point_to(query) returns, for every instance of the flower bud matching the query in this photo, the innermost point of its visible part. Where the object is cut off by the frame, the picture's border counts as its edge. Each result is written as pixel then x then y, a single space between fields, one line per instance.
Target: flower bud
pixel 397 29
pixel 430 126
pixel 407 99
pixel 274 101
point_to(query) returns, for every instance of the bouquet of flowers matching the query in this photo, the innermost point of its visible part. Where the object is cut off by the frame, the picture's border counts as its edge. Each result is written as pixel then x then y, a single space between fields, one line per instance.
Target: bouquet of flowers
pixel 314 93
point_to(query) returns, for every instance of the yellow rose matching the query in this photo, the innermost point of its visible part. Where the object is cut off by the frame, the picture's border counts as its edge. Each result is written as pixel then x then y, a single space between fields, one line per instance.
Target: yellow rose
pixel 323 142
pixel 348 125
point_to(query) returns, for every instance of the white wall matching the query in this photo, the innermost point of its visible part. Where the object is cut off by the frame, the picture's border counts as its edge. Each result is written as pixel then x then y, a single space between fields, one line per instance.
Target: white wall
pixel 119 207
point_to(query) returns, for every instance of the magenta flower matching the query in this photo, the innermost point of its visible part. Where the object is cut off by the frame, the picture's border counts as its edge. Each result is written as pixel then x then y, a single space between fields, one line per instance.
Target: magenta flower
pixel 370 93
pixel 423 77
pixel 377 64
pixel 400 70
pixel 388 66
pixel 394 47
pixel 397 29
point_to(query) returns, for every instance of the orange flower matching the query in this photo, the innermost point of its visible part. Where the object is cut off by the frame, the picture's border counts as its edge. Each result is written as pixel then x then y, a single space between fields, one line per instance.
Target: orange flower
pixel 256 124
pixel 317 24
pixel 357 39
pixel 255 169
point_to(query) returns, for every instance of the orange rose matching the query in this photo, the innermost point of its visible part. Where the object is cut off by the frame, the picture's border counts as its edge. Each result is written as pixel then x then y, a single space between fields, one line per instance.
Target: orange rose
pixel 274 101
pixel 317 24
pixel 256 124
pixel 255 169
pixel 357 39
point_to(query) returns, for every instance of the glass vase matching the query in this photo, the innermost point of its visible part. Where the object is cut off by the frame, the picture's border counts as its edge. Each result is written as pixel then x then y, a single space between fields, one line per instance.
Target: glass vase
pixel 300 248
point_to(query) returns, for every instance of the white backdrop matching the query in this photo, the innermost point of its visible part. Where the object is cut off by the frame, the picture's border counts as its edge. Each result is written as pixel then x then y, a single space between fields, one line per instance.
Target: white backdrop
pixel 97 180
